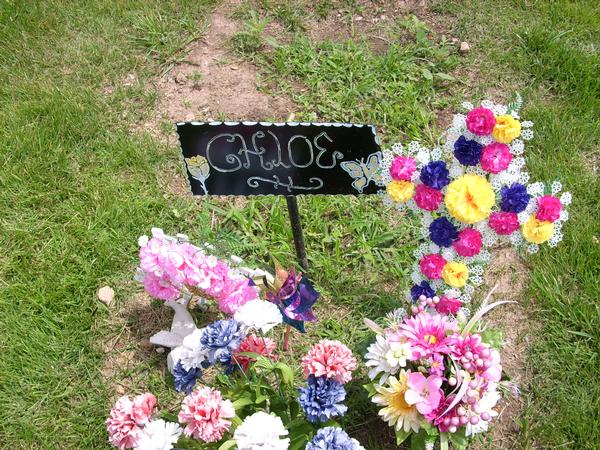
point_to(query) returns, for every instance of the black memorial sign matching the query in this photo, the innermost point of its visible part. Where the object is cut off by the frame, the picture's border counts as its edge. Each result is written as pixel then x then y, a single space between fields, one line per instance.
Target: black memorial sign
pixel 261 158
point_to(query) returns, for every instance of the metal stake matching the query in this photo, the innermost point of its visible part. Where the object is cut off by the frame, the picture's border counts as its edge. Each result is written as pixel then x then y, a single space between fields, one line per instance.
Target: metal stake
pixel 292 205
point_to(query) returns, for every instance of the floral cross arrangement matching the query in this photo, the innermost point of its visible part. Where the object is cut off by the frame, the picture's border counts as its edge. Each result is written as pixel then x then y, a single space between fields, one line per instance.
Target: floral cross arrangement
pixel 434 369
pixel 436 373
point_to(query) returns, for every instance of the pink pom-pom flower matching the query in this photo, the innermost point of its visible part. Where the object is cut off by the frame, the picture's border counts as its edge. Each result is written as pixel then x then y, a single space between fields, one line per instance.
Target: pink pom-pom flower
pixel 481 121
pixel 448 305
pixel 427 197
pixel 432 265
pixel 504 223
pixel 330 359
pixel 468 243
pixel 127 418
pixel 206 415
pixel 549 208
pixel 495 157
pixel 254 344
pixel 402 168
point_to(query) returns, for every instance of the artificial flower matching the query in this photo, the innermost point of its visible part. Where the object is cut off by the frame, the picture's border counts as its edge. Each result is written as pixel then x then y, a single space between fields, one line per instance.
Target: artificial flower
pixel 259 315
pixel 448 305
pixel 442 232
pixel 396 411
pixel 426 333
pixel 495 157
pixel 387 357
pixel 455 274
pixel 476 356
pixel 235 293
pixel 506 129
pixel 206 414
pixel 485 407
pixel 160 288
pixel 185 380
pixel 504 223
pixel 142 407
pixel 537 231
pixel 220 339
pixel 322 399
pixel 436 364
pixel 432 265
pixel 427 198
pixel 470 198
pixel 514 198
pixel 402 168
pixel 468 242
pixel 261 431
pixel 424 288
pixel 331 359
pixel 333 438
pixel 295 300
pixel 435 175
pixel 253 344
pixel 424 393
pixel 548 209
pixel 123 431
pixel 159 435
pixel 401 190
pixel 192 353
pixel 467 152
pixel 481 121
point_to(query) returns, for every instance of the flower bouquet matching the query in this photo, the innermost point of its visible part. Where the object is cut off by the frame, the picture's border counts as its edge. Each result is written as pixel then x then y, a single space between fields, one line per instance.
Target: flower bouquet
pixel 256 406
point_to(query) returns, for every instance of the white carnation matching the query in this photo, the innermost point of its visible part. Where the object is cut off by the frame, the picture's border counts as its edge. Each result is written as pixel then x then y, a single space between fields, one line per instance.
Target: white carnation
pixel 159 435
pixel 259 314
pixel 261 431
pixel 191 353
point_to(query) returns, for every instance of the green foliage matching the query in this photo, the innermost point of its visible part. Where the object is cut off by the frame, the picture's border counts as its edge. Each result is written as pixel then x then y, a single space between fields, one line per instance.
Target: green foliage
pixel 250 40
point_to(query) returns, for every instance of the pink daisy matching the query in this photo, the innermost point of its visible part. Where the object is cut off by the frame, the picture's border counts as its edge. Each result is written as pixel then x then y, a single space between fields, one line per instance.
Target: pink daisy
pixel 426 333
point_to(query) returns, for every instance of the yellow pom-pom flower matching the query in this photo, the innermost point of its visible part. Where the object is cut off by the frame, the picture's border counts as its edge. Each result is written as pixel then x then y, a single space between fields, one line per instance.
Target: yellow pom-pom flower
pixel 506 129
pixel 401 190
pixel 455 274
pixel 537 231
pixel 470 198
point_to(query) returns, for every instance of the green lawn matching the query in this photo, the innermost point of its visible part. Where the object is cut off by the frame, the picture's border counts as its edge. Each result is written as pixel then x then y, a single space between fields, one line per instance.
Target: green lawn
pixel 77 187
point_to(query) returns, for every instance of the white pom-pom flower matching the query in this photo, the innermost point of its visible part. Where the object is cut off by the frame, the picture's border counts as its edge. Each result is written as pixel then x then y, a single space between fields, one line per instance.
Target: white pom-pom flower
pixel 261 431
pixel 159 435
pixel 259 315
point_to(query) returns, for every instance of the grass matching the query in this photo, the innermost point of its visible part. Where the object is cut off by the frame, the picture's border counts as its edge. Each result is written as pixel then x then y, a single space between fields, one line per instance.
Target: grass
pixel 77 187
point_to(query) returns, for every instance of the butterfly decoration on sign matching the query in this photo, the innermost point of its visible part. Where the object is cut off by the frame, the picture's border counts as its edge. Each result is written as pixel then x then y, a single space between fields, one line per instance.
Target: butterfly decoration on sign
pixel 364 172
pixel 199 169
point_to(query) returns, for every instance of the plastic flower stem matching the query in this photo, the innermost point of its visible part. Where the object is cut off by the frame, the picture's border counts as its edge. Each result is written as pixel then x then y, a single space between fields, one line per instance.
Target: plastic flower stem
pixel 443 441
pixel 286 338
pixel 240 367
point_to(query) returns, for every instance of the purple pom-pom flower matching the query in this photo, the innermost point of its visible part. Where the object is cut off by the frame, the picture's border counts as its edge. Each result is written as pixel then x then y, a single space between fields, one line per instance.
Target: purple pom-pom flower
pixel 467 152
pixel 322 399
pixel 442 232
pixel 515 198
pixel 333 438
pixel 435 175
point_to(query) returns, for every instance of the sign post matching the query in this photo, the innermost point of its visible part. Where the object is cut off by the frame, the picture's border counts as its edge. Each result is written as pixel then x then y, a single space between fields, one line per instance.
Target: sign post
pixel 290 159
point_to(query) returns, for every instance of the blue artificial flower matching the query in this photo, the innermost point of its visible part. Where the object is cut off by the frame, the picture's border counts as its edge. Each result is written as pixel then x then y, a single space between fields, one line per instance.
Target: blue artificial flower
pixel 321 399
pixel 514 198
pixel 435 175
pixel 442 232
pixel 185 379
pixel 467 152
pixel 421 289
pixel 220 339
pixel 333 438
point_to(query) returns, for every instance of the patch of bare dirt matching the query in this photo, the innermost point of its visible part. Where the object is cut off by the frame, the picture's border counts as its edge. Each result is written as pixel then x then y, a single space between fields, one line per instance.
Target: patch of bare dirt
pixel 510 274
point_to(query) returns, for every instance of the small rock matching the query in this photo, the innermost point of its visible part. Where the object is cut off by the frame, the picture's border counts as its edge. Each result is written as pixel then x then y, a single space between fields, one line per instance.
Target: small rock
pixel 145 344
pixel 106 295
pixel 358 18
pixel 234 68
pixel 464 47
pixel 160 349
pixel 454 40
pixel 180 78
pixel 130 80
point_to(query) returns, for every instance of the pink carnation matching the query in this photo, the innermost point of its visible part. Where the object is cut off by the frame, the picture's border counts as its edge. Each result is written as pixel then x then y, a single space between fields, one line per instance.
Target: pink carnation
pixel 402 168
pixel 427 197
pixel 253 344
pixel 331 359
pixel 504 223
pixel 481 121
pixel 549 208
pixel 448 305
pixel 432 265
pixel 206 413
pixel 159 288
pixel 235 293
pixel 468 242
pixel 495 157
pixel 126 419
pixel 426 333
